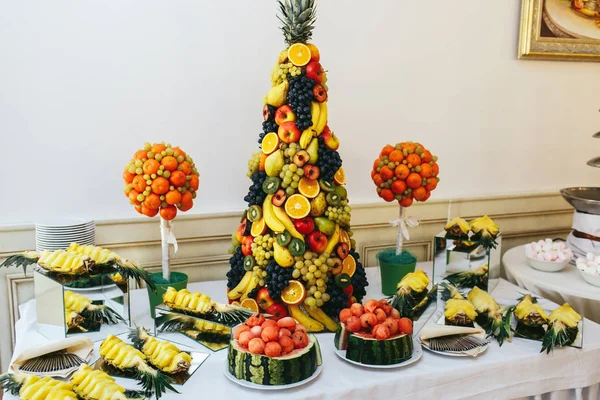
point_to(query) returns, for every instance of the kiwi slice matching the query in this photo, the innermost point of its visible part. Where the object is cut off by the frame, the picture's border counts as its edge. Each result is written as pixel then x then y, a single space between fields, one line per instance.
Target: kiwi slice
pixel 333 199
pixel 341 191
pixel 326 186
pixel 271 184
pixel 254 213
pixel 248 263
pixel 297 247
pixel 343 280
pixel 284 238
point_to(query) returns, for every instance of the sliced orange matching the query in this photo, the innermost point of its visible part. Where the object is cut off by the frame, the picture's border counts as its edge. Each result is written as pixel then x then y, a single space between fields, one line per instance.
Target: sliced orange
pixel 270 143
pixel 294 293
pixel 309 187
pixel 249 304
pixel 344 237
pixel 236 303
pixel 258 227
pixel 349 265
pixel 297 206
pixel 299 54
pixel 340 176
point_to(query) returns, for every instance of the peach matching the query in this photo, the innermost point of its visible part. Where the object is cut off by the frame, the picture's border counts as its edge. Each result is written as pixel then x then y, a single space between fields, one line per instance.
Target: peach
pixel 371 305
pixel 380 314
pixel 395 314
pixel 245 338
pixel 273 349
pixel 287 344
pixel 368 320
pixel 353 324
pixel 285 332
pixel 255 320
pixel 391 324
pixel 299 327
pixel 381 332
pixel 256 331
pixel 256 346
pixel 345 314
pixel 239 330
pixel 270 333
pixel 357 309
pixel 287 322
pixel 300 339
pixel 269 322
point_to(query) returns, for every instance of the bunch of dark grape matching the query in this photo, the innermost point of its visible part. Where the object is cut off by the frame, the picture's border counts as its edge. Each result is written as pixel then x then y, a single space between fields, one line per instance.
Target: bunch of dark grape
pixel 337 300
pixel 359 279
pixel 277 279
pixel 256 195
pixel 268 126
pixel 254 292
pixel 300 96
pixel 329 161
pixel 236 272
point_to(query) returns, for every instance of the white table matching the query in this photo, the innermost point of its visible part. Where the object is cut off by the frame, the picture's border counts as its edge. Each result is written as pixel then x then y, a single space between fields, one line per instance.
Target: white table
pixel 564 286
pixel 517 370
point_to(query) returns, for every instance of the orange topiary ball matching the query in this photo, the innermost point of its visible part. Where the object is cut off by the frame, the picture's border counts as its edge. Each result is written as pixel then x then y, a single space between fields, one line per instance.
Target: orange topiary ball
pixel 405 172
pixel 160 179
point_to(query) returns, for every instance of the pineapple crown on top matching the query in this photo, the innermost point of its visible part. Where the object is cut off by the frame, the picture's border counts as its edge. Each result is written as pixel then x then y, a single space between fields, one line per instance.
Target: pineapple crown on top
pixel 298 18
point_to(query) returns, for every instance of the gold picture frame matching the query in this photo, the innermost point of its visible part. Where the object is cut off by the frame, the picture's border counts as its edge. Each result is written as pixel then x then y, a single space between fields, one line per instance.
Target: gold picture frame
pixel 554 30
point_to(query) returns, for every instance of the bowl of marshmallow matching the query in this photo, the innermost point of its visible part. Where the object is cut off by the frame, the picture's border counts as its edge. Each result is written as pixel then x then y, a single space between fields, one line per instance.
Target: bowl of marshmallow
pixel 548 255
pixel 589 266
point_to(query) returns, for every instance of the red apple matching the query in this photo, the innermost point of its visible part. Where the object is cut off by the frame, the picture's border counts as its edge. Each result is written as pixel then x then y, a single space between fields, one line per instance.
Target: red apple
pixel 247 245
pixel 278 311
pixel 288 132
pixel 314 71
pixel 317 241
pixel 330 139
pixel 320 93
pixel 263 299
pixel 304 225
pixel 311 172
pixel 284 114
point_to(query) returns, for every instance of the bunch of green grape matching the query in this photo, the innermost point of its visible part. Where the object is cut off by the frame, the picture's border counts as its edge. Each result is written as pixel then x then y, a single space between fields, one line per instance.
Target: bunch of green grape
pixel 280 71
pixel 339 214
pixel 290 150
pixel 290 176
pixel 253 163
pixel 314 269
pixel 262 249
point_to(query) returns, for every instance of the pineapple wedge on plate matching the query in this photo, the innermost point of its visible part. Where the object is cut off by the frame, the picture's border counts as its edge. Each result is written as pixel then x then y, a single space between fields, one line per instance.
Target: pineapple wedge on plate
pixel 83 307
pixel 410 291
pixel 531 318
pixel 31 387
pixel 161 354
pixel 90 384
pixel 563 328
pixel 460 312
pixel 494 319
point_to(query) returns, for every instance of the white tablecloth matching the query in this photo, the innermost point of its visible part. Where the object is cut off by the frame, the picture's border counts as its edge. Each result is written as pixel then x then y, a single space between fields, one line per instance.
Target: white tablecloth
pixel 564 286
pixel 517 370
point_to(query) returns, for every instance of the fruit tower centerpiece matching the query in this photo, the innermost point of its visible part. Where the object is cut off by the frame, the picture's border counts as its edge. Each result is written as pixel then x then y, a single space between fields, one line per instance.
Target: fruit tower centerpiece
pixel 293 251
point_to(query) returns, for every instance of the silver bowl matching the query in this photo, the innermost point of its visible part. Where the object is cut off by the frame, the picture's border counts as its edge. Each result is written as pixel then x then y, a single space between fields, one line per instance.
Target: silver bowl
pixel 583 199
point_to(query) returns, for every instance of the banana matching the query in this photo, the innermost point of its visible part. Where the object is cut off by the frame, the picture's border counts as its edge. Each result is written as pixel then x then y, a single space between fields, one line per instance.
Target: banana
pixel 306 137
pixel 334 240
pixel 272 222
pixel 322 118
pixel 315 112
pixel 237 291
pixel 253 283
pixel 282 255
pixel 282 216
pixel 323 318
pixel 299 315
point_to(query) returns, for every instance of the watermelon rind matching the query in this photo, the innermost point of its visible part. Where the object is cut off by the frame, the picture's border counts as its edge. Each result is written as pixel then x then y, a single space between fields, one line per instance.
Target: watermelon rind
pixel 371 351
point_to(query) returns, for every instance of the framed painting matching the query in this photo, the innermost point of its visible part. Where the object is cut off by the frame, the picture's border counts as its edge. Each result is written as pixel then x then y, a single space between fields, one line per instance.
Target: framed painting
pixel 560 30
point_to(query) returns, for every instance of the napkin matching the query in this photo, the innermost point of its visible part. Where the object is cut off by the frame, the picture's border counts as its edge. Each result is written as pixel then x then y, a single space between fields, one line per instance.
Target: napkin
pixel 433 330
pixel 80 346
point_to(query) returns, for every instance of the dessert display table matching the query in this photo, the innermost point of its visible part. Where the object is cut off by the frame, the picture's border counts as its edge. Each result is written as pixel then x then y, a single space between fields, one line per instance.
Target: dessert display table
pixel 517 370
pixel 564 286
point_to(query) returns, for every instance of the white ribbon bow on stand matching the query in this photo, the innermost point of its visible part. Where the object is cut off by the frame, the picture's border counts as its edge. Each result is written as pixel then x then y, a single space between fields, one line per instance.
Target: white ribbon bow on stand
pixel 403 223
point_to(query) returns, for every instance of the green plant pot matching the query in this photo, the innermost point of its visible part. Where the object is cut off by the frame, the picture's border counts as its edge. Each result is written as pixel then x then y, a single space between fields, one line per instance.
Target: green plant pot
pixel 393 268
pixel 179 281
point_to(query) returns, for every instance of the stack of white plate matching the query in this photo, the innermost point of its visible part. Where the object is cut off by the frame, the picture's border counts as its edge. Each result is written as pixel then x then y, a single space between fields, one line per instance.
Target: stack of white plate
pixel 59 233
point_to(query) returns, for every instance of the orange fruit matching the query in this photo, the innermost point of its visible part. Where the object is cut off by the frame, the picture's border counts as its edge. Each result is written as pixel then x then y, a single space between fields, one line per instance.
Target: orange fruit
pixel 133 194
pixel 157 148
pixel 396 156
pixel 249 304
pixel 173 197
pixel 299 54
pixel 314 52
pixel 401 171
pixel 139 183
pixel 419 193
pixel 149 212
pixel 270 143
pixel 150 166
pixel 426 170
pixel 169 162
pixel 160 185
pixel 185 167
pixel 152 201
pixel 140 155
pixel 294 293
pixel 413 180
pixel 406 202
pixel 339 177
pixel 378 180
pixel 177 178
pixel 258 227
pixel 309 188
pixel 168 212
pixel 376 164
pixel 426 156
pixel 387 195
pixel 179 152
pixel 435 168
pixel 387 150
pixel 408 146
pixel 186 202
pixel 138 208
pixel 398 187
pixel 413 159
pixel 185 206
pixel 386 173
pixel 297 206
pixel 349 265
pixel 432 184
pixel 427 195
pixel 261 165
pixel 128 176
pixel 194 182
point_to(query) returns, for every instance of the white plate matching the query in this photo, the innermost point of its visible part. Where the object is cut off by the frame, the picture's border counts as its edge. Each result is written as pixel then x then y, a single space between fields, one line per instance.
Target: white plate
pixel 547 266
pixel 416 355
pixel 256 386
pixel 63 221
pixel 454 354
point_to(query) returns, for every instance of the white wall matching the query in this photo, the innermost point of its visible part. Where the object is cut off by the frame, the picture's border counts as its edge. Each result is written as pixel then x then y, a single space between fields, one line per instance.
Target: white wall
pixel 84 83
